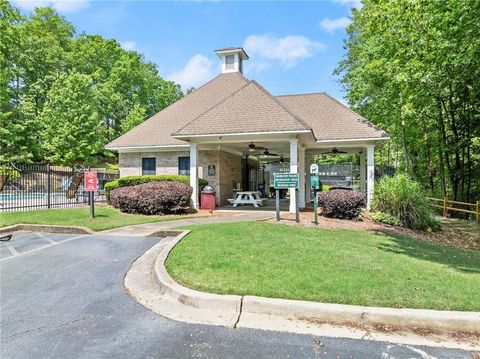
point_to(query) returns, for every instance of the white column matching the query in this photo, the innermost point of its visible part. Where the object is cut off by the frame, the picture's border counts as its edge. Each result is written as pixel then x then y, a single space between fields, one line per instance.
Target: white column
pixel 194 174
pixel 308 185
pixel 362 171
pixel 370 174
pixel 301 182
pixel 293 169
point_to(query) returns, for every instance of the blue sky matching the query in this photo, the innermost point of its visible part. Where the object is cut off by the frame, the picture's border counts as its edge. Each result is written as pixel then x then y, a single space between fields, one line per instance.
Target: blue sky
pixel 293 46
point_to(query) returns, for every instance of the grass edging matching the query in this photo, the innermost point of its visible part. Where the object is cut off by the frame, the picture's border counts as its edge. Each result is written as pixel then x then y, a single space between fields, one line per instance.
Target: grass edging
pixel 45 228
pixel 328 266
pixel 315 312
pixel 106 218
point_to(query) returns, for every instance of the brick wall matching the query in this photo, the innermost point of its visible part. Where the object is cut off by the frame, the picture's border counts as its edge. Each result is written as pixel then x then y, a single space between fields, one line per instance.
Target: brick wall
pixel 130 164
pixel 227 168
pixel 230 171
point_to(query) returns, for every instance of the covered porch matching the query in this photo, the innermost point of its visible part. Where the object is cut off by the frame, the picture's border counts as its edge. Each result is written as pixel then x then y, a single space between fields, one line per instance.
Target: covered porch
pixel 262 155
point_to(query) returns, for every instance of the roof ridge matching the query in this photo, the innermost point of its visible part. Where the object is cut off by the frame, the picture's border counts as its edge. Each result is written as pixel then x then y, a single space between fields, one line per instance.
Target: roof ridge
pixel 211 108
pixel 303 94
pixel 286 108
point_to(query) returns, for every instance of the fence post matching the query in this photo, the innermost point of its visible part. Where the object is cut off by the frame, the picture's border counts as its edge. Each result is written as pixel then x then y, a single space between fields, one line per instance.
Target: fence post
pixel 49 189
pixel 478 212
pixel 445 203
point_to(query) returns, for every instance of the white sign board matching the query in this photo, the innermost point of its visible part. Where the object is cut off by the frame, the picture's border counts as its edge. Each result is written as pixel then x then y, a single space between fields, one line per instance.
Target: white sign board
pixel 314 169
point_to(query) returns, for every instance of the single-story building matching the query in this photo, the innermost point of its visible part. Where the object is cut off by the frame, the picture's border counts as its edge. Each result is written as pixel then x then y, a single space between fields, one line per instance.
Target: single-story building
pixel 228 128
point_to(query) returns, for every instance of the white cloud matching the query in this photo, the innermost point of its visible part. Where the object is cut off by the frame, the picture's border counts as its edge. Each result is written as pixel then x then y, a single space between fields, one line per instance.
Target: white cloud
pixel 357 4
pixel 256 66
pixel 196 72
pixel 59 5
pixel 129 45
pixel 288 50
pixel 334 24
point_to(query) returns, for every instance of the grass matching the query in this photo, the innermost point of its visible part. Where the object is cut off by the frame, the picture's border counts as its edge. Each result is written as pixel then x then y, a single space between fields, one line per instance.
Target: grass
pixel 105 218
pixel 335 266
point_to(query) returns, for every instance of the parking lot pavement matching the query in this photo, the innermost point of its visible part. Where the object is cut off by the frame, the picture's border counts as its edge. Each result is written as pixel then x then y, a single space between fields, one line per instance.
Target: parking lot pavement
pixel 25 242
pixel 62 296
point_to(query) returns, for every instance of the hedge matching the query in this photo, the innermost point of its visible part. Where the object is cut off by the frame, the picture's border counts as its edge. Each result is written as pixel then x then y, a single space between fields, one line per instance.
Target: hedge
pixel 339 203
pixel 153 198
pixel 136 180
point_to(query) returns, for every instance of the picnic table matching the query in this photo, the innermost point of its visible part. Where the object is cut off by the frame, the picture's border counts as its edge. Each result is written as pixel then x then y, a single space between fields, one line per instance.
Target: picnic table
pixel 247 197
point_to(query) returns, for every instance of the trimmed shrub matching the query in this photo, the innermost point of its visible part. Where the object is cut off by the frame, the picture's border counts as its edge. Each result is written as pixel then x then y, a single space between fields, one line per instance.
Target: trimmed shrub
pixel 136 180
pixel 340 203
pixel 403 198
pixel 384 218
pixel 156 197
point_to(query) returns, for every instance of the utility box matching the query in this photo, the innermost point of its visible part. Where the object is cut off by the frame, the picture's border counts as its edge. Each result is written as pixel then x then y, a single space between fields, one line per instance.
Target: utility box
pixel 208 198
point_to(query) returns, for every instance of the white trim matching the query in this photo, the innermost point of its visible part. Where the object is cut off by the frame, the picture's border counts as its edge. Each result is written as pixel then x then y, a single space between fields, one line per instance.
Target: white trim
pixel 353 140
pixel 363 171
pixel 147 148
pixel 293 169
pixel 243 134
pixel 194 174
pixel 370 174
pixel 301 171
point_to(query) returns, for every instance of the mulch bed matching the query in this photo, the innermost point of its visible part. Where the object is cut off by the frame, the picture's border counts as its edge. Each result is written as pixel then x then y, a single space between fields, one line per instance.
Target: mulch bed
pixel 449 235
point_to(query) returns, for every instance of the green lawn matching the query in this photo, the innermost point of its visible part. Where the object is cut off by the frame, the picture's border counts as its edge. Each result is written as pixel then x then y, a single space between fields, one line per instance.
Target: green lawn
pixel 105 218
pixel 335 266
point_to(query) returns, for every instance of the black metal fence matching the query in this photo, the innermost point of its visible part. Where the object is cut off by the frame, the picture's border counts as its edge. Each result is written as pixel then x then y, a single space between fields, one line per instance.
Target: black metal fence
pixel 29 187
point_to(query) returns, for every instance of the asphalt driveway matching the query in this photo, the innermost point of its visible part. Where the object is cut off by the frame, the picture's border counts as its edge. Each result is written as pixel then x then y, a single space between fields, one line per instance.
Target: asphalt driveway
pixel 62 296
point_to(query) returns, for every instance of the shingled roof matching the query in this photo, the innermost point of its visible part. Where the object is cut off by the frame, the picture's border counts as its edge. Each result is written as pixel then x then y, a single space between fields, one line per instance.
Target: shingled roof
pixel 157 130
pixel 329 119
pixel 250 109
pixel 231 104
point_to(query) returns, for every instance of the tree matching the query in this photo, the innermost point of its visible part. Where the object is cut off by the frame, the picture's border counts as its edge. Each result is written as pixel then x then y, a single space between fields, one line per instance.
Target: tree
pixel 70 121
pixel 412 67
pixel 36 51
pixel 13 145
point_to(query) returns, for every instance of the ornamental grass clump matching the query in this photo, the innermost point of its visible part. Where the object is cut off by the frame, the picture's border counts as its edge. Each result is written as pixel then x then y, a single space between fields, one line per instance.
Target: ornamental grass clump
pixel 340 203
pixel 152 198
pixel 403 198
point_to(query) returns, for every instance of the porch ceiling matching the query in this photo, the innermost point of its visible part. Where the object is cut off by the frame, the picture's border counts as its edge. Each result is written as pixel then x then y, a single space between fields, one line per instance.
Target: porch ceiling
pixel 280 148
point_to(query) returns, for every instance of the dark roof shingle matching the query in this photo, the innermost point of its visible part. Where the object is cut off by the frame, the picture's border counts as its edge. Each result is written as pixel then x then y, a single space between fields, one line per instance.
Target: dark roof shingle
pixel 250 109
pixel 329 119
pixel 157 130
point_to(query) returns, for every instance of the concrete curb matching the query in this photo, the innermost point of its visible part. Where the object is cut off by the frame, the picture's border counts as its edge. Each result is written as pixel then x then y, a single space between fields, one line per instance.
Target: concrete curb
pixel 417 319
pixel 226 306
pixel 408 326
pixel 45 228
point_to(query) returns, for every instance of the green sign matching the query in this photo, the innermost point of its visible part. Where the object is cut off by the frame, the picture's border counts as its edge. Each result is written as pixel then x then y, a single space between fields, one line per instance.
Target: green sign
pixel 315 182
pixel 285 180
pixel 211 170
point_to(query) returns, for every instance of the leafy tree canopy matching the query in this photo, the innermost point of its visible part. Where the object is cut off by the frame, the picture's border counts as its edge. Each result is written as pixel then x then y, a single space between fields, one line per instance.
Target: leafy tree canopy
pixel 413 68
pixel 49 75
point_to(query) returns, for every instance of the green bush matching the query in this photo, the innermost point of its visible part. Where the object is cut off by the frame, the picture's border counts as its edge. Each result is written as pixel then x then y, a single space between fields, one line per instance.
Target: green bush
pixel 157 197
pixel 134 180
pixel 403 198
pixel 385 218
pixel 340 203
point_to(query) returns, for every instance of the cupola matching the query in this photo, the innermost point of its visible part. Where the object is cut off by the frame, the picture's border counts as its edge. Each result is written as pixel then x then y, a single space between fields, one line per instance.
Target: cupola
pixel 232 59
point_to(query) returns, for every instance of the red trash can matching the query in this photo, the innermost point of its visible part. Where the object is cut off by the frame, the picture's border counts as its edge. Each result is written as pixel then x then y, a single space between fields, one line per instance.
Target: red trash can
pixel 208 198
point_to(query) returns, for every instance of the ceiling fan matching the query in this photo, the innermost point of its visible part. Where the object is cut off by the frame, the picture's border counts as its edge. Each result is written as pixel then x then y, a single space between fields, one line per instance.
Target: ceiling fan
pixel 334 151
pixel 252 147
pixel 267 153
